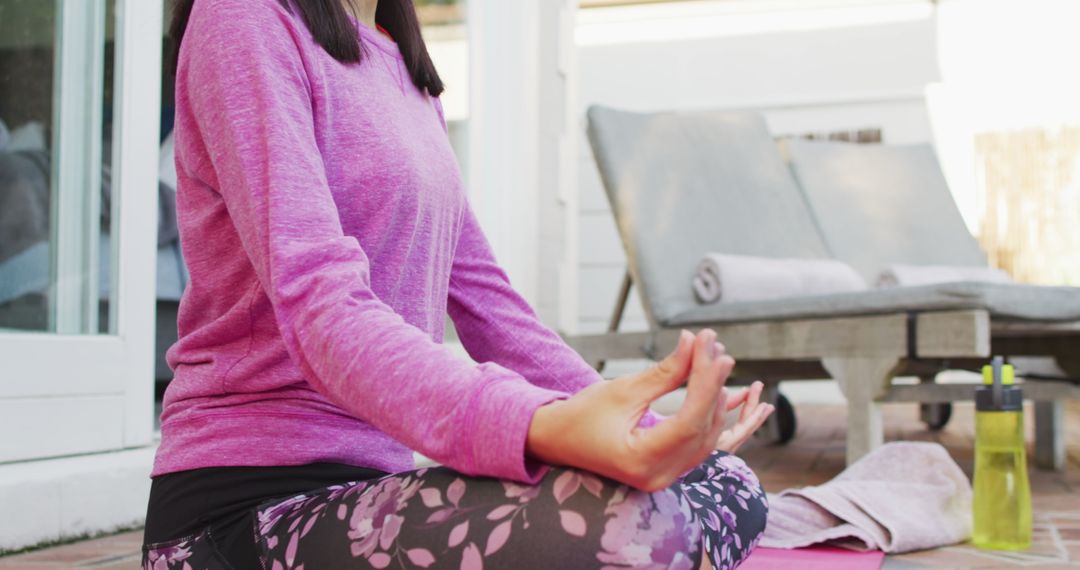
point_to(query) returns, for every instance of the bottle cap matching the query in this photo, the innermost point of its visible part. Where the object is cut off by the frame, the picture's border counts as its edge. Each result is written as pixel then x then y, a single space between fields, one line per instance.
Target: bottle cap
pixel 1008 374
pixel 1000 392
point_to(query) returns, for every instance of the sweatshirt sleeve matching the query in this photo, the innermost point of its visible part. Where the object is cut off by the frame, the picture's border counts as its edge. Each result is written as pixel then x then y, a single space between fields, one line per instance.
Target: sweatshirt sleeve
pixel 243 81
pixel 495 324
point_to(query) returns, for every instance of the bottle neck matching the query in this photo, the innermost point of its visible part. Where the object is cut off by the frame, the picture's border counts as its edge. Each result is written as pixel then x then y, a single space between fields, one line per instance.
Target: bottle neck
pixel 1011 399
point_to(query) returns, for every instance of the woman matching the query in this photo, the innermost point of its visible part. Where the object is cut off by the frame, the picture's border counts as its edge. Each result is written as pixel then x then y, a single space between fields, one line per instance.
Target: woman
pixel 327 234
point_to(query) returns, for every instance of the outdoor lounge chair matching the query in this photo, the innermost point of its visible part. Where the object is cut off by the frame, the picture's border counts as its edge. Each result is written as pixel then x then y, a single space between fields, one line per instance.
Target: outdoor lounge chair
pixel 684 184
pixel 878 205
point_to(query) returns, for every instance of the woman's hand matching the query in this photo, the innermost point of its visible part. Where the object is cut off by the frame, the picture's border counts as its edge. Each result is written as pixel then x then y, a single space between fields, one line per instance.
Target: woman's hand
pixel 597 428
pixel 753 415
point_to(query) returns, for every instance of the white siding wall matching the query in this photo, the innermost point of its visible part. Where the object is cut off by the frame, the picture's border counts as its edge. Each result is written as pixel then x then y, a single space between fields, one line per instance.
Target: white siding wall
pixel 511 112
pixel 815 65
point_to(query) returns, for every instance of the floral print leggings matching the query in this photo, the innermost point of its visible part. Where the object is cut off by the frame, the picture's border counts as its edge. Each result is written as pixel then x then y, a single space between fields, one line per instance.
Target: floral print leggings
pixel 438 518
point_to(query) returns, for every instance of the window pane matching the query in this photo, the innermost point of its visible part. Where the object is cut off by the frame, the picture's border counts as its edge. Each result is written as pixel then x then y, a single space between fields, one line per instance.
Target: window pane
pixel 55 206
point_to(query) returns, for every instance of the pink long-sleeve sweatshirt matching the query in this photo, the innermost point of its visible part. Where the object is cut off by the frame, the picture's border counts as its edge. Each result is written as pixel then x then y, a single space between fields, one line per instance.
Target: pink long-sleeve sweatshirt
pixel 327 233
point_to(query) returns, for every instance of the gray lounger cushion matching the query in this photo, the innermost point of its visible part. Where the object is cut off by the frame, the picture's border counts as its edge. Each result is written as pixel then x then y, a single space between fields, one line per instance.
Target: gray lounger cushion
pixel 683 184
pixel 880 205
pixel 1005 302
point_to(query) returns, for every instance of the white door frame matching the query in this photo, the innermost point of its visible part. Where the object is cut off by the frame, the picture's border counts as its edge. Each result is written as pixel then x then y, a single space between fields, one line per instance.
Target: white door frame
pixel 64 394
pixel 78 84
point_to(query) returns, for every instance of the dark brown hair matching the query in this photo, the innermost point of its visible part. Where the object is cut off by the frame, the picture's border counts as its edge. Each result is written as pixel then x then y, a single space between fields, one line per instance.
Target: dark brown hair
pixel 330 25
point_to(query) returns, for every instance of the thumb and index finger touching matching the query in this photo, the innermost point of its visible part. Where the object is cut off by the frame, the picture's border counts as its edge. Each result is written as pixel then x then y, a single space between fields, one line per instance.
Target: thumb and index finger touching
pixel 698 356
pixel 705 388
pixel 669 373
pixel 707 365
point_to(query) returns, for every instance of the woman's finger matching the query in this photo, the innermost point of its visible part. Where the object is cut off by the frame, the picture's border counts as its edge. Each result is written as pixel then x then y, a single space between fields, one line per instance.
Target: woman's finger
pixel 753 397
pixel 737 400
pixel 721 408
pixel 731 440
pixel 669 373
pixel 680 441
pixel 705 383
pixel 717 430
pixel 767 410
pixel 757 418
pixel 745 429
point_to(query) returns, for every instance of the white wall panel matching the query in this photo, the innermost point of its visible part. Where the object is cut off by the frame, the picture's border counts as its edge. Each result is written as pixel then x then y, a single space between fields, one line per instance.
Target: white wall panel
pixel 60 426
pixel 783 64
pixel 599 286
pixel 600 242
pixel 61 499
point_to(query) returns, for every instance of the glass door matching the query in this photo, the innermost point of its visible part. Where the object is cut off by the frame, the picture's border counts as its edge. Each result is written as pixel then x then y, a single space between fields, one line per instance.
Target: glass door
pixel 79 115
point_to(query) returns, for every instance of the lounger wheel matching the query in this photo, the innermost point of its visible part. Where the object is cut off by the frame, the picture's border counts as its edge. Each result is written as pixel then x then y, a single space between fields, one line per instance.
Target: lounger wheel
pixel 935 416
pixel 781 426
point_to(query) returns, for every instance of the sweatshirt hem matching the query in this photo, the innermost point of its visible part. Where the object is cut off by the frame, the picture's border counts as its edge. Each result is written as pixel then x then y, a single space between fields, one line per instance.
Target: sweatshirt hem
pixel 233 440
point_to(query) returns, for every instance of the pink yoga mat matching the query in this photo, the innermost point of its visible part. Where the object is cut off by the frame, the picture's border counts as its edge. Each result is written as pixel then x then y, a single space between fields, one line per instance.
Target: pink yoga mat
pixel 813 558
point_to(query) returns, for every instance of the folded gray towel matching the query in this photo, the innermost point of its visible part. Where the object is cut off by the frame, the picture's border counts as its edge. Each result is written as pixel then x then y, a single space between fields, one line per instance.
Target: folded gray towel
pixel 915 275
pixel 905 496
pixel 731 278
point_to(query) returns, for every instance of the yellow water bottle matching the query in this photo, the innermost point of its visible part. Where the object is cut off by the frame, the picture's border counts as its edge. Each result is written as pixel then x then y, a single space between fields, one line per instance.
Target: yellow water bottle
pixel 1002 500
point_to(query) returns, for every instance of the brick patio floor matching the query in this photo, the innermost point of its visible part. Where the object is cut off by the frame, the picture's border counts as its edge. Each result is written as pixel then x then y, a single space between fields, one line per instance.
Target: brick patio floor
pixel 815 456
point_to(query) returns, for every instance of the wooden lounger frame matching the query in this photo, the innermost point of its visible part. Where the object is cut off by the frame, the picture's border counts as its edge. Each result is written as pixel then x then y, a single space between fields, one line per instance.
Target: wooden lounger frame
pixel 865 353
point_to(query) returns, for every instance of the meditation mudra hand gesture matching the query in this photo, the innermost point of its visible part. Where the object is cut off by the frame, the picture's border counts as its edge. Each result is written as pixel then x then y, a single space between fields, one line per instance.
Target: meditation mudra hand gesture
pixel 597 429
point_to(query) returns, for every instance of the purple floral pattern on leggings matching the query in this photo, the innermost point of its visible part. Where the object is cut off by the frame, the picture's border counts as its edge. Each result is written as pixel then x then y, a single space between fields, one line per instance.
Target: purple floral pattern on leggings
pixel 653 531
pixel 190 553
pixel 167 558
pixel 437 518
pixel 730 501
